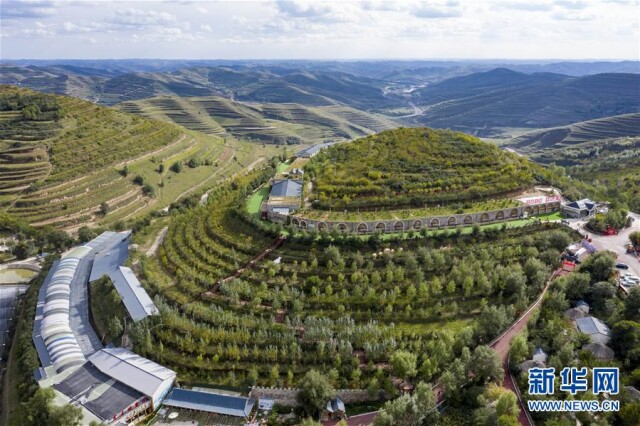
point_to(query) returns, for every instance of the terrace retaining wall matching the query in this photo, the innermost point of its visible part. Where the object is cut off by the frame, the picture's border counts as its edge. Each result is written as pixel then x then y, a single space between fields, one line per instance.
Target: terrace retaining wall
pixel 430 222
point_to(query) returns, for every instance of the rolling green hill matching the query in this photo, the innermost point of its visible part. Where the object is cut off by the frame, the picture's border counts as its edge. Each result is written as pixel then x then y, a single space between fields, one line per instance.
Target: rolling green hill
pixel 59 163
pixel 413 167
pixel 277 123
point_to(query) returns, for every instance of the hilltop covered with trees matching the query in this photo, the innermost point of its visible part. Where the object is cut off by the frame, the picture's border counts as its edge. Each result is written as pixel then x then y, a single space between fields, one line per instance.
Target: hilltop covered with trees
pixel 414 167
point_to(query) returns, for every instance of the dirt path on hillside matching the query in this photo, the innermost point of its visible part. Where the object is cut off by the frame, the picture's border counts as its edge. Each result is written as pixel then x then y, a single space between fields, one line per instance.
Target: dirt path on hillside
pixel 156 243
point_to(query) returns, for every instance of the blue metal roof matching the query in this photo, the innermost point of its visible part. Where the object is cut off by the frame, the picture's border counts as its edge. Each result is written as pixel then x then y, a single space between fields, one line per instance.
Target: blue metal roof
pixel 592 325
pixel 210 402
pixel 286 188
pixel 115 251
pixel 108 260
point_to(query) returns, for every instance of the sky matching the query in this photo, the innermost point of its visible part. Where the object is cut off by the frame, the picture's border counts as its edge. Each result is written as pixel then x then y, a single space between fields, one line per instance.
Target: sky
pixel 447 29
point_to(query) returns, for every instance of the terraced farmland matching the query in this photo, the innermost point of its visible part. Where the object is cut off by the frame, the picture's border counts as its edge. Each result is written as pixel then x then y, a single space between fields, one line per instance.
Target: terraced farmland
pixel 340 305
pixel 60 172
pixel 281 123
pixel 578 133
pixel 177 110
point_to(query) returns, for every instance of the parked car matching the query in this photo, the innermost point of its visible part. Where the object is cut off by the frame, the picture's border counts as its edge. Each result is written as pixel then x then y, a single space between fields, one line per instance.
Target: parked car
pixel 570 258
pixel 622 266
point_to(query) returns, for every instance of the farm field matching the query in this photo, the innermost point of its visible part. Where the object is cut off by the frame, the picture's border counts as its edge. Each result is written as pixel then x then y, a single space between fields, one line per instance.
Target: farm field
pixel 343 305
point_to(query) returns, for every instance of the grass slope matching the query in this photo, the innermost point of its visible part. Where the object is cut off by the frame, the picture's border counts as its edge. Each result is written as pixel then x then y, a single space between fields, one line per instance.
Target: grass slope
pixel 413 167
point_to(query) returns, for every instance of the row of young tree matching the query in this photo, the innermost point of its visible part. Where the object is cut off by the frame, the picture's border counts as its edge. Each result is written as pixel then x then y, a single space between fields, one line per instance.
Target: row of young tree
pixel 291 314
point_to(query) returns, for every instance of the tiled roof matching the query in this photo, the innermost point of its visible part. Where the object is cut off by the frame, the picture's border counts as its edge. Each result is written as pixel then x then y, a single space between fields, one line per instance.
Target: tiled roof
pixel 592 325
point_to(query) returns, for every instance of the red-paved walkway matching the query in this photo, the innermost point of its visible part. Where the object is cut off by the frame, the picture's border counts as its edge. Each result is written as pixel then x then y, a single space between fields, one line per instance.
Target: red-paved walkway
pixel 503 342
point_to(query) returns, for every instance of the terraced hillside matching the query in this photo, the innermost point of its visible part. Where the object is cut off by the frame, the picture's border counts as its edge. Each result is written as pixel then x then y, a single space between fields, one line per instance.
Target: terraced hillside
pixel 338 305
pixel 578 133
pixel 69 170
pixel 486 103
pixel 604 154
pixel 413 167
pixel 277 123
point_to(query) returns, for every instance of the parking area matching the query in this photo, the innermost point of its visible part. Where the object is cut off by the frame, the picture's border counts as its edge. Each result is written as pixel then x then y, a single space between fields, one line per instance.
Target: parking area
pixel 615 243
pixel 628 280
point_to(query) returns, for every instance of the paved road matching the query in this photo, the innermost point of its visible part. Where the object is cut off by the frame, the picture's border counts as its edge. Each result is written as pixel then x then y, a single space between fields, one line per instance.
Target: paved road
pixel 614 243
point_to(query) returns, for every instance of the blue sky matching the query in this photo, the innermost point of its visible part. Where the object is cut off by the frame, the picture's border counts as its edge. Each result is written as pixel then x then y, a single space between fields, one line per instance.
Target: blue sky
pixel 447 29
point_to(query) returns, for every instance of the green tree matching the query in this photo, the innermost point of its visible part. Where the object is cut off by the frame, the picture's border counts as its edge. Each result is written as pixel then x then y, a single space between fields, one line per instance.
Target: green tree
pixel 149 190
pixel 176 167
pixel 138 180
pixel 404 364
pixel 410 410
pixel 315 391
pixel 104 208
pixel 600 265
pixel 632 304
pixel 486 365
pixel 86 234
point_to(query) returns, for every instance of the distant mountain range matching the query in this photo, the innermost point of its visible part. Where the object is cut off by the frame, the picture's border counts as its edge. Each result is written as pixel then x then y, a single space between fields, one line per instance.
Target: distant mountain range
pixel 241 83
pixel 475 96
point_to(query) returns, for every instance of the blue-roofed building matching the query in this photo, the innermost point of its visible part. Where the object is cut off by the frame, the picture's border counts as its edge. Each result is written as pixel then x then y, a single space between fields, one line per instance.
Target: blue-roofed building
pixel 224 405
pixel 285 196
pixel 313 150
pixel 596 329
pixel 286 188
pixel 580 208
pixel 134 297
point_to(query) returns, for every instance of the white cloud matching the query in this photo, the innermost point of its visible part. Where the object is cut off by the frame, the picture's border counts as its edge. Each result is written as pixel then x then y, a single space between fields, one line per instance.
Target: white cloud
pixel 26 9
pixel 141 18
pixel 330 29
